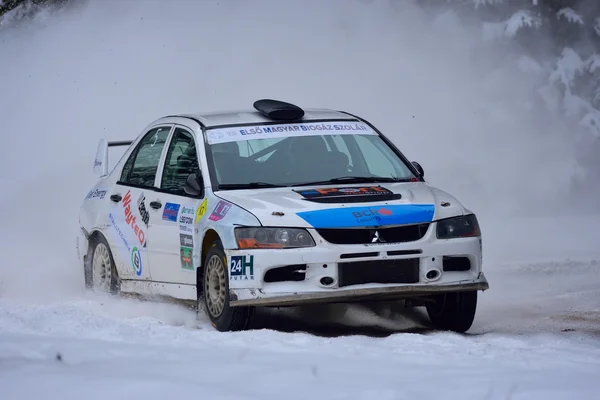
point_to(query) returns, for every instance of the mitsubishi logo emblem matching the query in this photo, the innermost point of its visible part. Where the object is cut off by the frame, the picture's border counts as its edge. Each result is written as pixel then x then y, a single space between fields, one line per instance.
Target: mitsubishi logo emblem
pixel 376 238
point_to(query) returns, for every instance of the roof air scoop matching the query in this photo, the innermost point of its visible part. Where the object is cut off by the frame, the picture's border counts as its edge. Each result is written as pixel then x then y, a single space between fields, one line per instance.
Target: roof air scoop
pixel 278 110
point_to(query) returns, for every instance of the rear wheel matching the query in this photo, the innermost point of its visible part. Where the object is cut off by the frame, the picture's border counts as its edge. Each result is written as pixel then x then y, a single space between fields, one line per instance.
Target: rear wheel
pixel 453 311
pixel 215 294
pixel 104 277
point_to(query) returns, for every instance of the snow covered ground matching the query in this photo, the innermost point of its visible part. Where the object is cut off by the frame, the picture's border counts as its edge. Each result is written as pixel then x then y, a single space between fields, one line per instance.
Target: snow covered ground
pixel 536 336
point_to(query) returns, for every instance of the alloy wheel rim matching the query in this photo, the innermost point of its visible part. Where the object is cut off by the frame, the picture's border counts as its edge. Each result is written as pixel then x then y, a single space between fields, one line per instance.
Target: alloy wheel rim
pixel 214 287
pixel 102 268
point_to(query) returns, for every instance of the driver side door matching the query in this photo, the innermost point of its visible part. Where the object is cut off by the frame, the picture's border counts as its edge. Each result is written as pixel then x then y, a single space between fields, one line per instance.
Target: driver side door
pixel 171 257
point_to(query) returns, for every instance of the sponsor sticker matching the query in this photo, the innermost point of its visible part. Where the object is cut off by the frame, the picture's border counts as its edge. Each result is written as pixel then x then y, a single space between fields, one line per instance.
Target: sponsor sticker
pixel 119 232
pixel 186 219
pixel 136 255
pixel 142 209
pixel 186 240
pixel 347 217
pixel 131 219
pixel 187 210
pixel 186 258
pixel 96 194
pixel 372 213
pixel 136 261
pixel 283 130
pixel 344 192
pixel 201 210
pixel 241 268
pixel 186 229
pixel 220 211
pixel 170 212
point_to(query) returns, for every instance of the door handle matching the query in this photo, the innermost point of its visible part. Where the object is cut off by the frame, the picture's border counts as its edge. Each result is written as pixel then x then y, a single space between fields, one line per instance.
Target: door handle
pixel 155 204
pixel 116 198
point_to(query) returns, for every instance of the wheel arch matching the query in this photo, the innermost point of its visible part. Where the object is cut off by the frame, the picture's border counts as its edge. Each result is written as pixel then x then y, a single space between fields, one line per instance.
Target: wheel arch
pixel 209 237
pixel 92 237
pixel 94 234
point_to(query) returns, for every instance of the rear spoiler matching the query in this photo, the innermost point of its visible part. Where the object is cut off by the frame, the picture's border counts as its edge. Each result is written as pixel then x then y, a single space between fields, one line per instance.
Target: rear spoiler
pixel 101 160
pixel 121 143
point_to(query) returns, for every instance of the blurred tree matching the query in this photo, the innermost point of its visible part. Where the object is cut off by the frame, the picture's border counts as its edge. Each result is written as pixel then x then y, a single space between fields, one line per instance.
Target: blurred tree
pixel 26 7
pixel 561 38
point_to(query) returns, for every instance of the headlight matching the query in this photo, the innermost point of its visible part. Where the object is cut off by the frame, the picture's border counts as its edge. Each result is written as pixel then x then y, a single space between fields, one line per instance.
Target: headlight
pixel 272 238
pixel 458 227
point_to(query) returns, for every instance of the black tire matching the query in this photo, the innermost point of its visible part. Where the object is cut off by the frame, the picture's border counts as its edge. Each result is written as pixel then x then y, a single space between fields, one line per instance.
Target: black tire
pixel 114 287
pixel 229 318
pixel 453 311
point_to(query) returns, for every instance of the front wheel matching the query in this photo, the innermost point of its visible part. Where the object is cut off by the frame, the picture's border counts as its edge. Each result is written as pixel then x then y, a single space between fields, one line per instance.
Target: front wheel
pixel 215 294
pixel 453 311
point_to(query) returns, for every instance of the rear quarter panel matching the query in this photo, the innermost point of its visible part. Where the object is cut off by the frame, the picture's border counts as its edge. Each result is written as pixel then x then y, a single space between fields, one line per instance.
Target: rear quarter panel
pixel 93 217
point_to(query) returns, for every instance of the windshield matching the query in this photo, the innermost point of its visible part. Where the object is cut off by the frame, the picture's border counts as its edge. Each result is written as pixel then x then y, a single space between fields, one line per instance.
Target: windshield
pixel 266 156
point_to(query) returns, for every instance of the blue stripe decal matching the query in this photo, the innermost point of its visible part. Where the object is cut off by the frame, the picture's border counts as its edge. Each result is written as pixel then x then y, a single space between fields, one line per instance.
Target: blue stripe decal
pixel 376 216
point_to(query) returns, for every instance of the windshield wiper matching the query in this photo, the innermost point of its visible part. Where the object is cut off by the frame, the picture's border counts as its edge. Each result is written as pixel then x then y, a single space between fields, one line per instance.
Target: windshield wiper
pixel 355 179
pixel 250 185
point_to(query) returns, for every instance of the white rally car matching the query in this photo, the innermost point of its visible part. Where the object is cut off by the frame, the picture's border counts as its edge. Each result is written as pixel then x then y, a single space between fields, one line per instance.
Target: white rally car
pixel 277 206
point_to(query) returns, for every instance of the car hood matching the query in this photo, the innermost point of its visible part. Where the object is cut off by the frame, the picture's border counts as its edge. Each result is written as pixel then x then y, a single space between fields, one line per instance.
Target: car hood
pixel 343 206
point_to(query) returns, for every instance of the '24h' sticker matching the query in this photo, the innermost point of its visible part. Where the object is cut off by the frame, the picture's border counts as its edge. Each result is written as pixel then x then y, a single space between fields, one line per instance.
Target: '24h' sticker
pixel 242 268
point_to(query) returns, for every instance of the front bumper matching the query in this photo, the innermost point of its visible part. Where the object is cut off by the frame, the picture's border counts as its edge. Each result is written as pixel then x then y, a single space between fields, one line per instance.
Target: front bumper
pixel 344 273
pixel 387 292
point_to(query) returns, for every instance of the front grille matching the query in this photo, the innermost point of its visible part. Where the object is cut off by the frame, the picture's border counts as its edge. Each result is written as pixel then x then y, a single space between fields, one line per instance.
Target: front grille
pixel 399 234
pixel 378 271
pixel 359 255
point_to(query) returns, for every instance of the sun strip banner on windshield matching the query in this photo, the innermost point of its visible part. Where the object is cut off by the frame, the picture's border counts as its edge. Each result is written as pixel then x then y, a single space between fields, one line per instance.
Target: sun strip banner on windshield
pixel 223 135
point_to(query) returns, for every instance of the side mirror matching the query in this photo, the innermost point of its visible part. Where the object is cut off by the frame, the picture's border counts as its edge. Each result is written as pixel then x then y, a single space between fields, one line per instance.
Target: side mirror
pixel 193 185
pixel 419 168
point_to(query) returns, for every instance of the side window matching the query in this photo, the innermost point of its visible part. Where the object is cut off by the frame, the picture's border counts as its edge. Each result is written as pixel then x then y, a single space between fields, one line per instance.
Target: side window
pixel 181 161
pixel 140 168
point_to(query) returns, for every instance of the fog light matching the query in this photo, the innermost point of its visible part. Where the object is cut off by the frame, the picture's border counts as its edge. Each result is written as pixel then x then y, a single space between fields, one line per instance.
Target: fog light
pixel 431 274
pixel 326 281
